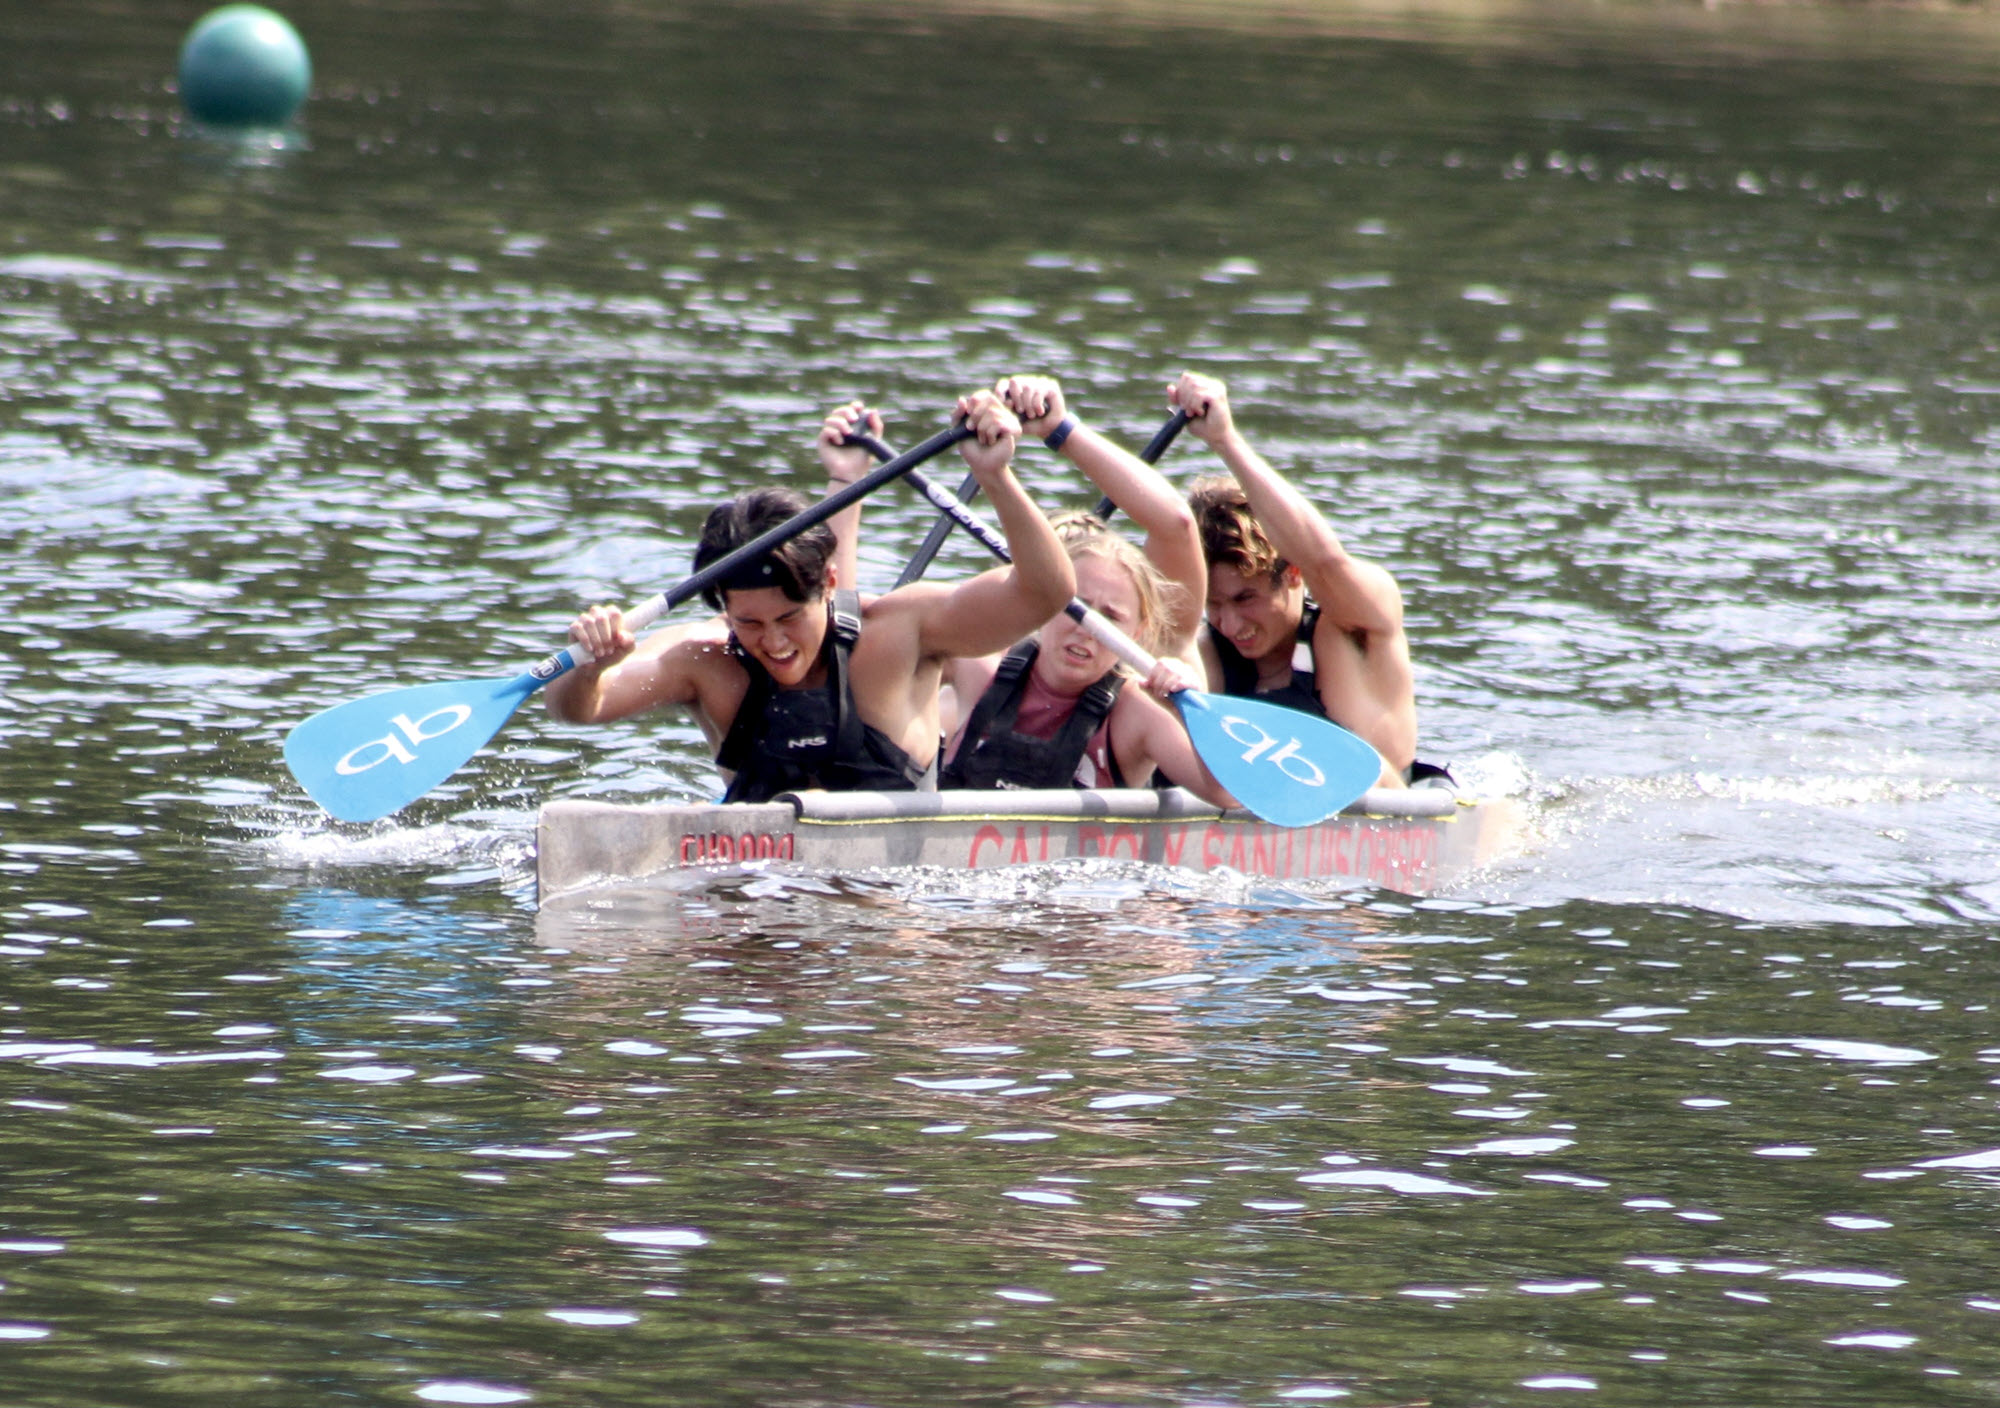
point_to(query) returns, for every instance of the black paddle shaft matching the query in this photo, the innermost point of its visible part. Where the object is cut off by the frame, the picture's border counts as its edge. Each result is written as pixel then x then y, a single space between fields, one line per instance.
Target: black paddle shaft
pixel 950 507
pixel 934 540
pixel 953 510
pixel 896 468
pixel 1155 447
pixel 940 530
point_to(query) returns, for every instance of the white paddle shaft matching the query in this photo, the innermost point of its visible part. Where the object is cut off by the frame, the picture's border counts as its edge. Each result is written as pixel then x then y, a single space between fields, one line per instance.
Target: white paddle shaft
pixel 1120 644
pixel 636 620
pixel 1115 640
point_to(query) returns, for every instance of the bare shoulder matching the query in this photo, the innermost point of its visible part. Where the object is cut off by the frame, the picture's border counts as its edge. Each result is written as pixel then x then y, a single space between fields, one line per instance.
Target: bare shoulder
pixel 900 615
pixel 682 636
pixel 1358 594
pixel 1138 714
pixel 706 668
pixel 705 654
pixel 917 596
pixel 1134 702
pixel 1135 711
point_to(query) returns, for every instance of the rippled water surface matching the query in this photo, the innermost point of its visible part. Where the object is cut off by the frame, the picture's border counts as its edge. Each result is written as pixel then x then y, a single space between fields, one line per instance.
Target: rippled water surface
pixel 1654 357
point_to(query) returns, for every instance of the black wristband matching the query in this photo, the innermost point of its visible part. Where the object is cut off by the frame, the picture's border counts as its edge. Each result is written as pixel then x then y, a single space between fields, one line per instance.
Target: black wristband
pixel 1054 439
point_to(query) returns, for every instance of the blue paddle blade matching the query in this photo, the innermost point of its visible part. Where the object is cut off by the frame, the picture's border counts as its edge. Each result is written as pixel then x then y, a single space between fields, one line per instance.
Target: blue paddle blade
pixel 369 757
pixel 1290 768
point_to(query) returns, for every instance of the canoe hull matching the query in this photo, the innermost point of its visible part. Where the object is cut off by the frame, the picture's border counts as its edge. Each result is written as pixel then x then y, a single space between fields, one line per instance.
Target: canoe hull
pixel 1412 841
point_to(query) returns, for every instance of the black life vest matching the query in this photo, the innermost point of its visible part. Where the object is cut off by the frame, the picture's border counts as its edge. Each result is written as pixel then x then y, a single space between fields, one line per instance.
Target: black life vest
pixel 782 740
pixel 992 754
pixel 1239 675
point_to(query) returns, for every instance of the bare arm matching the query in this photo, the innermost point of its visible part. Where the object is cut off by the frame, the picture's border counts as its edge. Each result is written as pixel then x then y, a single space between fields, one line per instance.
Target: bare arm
pixel 844 464
pixel 1360 596
pixel 1139 490
pixel 1210 661
pixel 1148 735
pixel 627 676
pixel 994 610
pixel 965 680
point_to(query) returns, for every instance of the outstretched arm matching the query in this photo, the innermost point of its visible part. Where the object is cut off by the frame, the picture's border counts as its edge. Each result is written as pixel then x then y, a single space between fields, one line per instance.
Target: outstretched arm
pixel 1138 489
pixel 1360 596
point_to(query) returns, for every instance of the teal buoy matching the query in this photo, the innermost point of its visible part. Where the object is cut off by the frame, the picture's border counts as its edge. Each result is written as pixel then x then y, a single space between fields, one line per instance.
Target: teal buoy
pixel 244 66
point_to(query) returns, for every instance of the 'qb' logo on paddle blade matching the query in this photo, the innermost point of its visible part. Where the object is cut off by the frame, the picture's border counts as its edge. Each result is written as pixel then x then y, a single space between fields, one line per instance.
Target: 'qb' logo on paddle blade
pixel 427 732
pixel 417 731
pixel 1287 760
pixel 1290 768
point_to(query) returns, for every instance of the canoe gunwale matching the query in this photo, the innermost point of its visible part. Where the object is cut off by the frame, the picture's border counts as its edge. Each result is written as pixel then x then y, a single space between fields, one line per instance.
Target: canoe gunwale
pixel 1077 803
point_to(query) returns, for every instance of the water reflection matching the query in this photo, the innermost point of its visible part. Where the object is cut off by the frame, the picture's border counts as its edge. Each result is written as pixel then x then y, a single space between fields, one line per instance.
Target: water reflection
pixel 1075 1116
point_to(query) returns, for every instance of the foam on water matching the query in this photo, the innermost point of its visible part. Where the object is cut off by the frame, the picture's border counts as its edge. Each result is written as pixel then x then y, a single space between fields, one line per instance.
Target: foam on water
pixel 1792 848
pixel 499 846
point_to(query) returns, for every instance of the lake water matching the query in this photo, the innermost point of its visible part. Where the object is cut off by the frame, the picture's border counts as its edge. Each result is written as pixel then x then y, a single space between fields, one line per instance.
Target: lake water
pixel 1654 352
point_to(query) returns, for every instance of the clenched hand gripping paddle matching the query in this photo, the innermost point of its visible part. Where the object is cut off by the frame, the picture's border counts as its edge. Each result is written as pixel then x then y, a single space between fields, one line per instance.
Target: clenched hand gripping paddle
pixel 369 757
pixel 1288 768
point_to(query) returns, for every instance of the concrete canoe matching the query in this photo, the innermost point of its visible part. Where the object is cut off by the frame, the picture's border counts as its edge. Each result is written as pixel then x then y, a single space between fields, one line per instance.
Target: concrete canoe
pixel 1413 841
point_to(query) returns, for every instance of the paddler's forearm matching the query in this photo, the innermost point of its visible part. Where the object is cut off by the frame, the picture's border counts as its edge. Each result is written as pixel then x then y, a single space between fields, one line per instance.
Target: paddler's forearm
pixel 1139 490
pixel 1296 529
pixel 1173 541
pixel 1043 575
pixel 576 697
pixel 846 526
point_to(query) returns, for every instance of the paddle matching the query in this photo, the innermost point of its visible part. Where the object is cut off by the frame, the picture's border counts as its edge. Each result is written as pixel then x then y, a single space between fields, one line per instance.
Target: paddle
pixel 1288 768
pixel 1155 447
pixel 934 540
pixel 369 757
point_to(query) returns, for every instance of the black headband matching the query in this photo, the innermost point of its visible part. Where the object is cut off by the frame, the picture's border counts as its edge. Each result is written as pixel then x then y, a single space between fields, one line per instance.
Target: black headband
pixel 765 571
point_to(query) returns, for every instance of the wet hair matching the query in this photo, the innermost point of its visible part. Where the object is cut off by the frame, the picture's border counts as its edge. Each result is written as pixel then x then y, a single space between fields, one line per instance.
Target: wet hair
pixel 797 567
pixel 1086 535
pixel 1230 536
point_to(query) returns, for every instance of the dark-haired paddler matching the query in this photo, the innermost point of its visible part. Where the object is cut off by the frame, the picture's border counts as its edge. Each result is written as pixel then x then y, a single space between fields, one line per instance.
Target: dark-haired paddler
pixel 813 686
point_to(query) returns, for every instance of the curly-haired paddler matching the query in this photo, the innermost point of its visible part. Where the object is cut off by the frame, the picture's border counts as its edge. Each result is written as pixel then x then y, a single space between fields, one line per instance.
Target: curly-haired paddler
pixel 1293 617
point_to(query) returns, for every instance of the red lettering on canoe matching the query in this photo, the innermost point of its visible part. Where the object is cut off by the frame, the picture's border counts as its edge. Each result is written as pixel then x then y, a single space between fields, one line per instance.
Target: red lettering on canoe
pixel 721 848
pixel 1211 846
pixel 985 835
pixel 1264 852
pixel 1343 852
